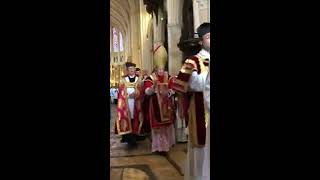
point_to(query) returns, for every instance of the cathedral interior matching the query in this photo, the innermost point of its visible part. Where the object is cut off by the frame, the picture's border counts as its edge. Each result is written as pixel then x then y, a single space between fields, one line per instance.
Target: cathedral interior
pixel 137 27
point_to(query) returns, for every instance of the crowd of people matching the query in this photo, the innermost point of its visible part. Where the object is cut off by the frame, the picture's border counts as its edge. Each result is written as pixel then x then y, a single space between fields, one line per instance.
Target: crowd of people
pixel 169 108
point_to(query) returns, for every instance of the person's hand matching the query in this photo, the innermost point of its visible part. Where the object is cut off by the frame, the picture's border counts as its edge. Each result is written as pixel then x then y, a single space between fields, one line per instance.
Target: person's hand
pixel 151 90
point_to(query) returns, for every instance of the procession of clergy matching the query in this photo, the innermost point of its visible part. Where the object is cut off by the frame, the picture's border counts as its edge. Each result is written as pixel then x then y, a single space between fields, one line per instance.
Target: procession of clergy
pixel 170 108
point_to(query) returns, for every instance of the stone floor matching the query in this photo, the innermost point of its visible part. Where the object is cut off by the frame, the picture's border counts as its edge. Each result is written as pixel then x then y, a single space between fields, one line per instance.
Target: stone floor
pixel 140 164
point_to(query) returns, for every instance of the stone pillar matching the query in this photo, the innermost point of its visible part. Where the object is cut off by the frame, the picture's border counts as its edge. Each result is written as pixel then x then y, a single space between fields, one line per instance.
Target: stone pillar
pixel 112 78
pixel 158 28
pixel 203 10
pixel 111 39
pixel 200 12
pixel 135 36
pixel 151 40
pixel 118 53
pixel 149 47
pixel 174 33
pixel 158 31
pixel 209 10
pixel 196 18
pixel 127 43
pixel 146 43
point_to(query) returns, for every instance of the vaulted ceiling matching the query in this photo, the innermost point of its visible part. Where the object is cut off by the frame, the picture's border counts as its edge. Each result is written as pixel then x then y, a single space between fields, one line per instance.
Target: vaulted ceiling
pixel 120 13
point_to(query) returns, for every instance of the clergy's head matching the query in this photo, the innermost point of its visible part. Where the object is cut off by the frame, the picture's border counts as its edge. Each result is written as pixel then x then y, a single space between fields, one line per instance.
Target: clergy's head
pixel 138 73
pixel 160 58
pixel 160 70
pixel 145 73
pixel 131 68
pixel 204 34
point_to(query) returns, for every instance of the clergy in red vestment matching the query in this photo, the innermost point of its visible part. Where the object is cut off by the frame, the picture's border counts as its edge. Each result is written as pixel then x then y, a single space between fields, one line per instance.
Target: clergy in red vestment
pixel 129 115
pixel 161 111
pixel 192 84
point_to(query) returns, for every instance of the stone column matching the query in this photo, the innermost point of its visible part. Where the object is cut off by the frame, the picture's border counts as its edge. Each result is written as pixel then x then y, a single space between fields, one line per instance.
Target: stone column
pixel 196 15
pixel 118 53
pixel 149 46
pixel 146 43
pixel 111 39
pixel 203 10
pixel 158 31
pixel 110 50
pixel 135 36
pixel 158 28
pixel 112 72
pixel 174 33
pixel 200 12
pixel 127 43
pixel 209 10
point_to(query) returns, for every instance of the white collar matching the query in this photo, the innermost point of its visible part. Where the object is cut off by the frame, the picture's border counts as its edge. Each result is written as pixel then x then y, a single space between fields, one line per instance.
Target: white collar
pixel 135 78
pixel 204 54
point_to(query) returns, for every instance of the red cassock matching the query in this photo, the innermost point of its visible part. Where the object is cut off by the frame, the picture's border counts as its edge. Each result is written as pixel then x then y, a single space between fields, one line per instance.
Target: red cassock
pixel 191 102
pixel 161 110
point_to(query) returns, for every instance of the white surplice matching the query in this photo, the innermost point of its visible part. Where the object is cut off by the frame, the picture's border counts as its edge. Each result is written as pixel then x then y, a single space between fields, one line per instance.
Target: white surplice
pixel 131 90
pixel 198 159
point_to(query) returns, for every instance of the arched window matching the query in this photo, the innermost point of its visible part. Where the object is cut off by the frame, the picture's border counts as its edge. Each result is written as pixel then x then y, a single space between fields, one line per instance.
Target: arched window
pixel 115 40
pixel 121 42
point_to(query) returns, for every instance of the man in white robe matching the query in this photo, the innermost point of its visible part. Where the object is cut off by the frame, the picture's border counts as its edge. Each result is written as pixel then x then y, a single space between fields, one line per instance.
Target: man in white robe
pixel 198 160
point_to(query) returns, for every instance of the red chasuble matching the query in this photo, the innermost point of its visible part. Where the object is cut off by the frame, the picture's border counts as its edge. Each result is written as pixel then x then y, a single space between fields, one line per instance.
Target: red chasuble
pixel 192 102
pixel 124 125
pixel 161 111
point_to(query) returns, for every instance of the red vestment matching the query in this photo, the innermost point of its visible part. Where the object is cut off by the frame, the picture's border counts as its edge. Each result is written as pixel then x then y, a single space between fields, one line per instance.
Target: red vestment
pixel 193 103
pixel 124 124
pixel 161 110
